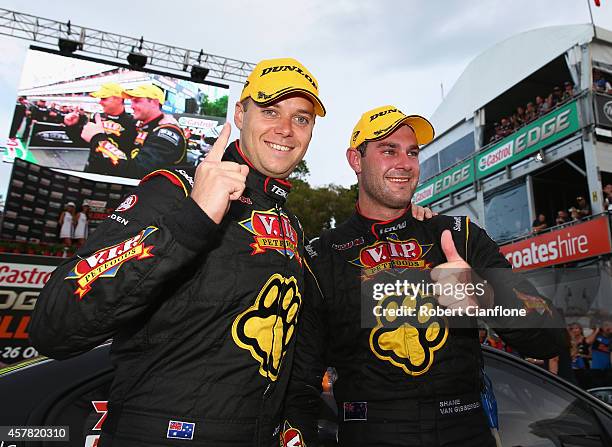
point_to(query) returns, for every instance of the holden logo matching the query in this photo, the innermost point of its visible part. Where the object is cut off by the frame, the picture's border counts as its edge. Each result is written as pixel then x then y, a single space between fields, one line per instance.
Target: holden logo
pixel 607 108
pixel 128 203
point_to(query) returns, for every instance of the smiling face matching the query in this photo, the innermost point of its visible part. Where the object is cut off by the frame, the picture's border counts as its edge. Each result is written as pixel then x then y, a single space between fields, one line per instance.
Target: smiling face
pixel 145 109
pixel 113 105
pixel 388 173
pixel 275 137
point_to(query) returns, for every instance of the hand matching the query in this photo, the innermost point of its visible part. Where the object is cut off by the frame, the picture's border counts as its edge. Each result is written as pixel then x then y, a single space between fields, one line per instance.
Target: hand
pixel 422 213
pixel 71 119
pixel 90 130
pixel 218 182
pixel 454 275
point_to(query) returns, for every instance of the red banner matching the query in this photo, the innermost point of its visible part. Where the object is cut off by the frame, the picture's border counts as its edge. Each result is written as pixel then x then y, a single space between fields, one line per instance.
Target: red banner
pixel 573 243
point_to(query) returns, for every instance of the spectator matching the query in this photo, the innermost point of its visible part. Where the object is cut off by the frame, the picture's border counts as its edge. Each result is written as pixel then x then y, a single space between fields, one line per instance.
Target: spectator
pixel 81 229
pixel 66 221
pixel 562 217
pixel 568 91
pixel 520 117
pixel 579 352
pixel 557 96
pixel 600 346
pixel 540 105
pixel 539 224
pixel 607 196
pixel 583 207
pixel 531 113
pixel 574 214
pixel 506 128
pixel 600 84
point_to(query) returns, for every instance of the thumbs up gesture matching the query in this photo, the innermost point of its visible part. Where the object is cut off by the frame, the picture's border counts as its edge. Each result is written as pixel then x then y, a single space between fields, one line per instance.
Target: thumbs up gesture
pixel 218 182
pixel 457 280
pixel 92 129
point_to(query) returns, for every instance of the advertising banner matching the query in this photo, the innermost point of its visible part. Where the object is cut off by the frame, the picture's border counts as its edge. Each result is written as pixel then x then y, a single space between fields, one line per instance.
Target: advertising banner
pixel 455 178
pixel 21 278
pixel 603 110
pixel 568 244
pixel 529 139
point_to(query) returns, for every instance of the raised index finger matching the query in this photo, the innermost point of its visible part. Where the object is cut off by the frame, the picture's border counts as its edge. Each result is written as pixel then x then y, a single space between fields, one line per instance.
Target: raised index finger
pixel 218 149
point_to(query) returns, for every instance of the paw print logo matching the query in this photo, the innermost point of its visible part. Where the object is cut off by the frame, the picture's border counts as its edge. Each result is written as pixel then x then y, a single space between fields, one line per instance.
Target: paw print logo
pixel 266 328
pixel 408 341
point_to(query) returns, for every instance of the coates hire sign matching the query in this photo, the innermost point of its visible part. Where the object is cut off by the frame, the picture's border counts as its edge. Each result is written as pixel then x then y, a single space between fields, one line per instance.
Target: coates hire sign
pixel 531 138
pixel 569 244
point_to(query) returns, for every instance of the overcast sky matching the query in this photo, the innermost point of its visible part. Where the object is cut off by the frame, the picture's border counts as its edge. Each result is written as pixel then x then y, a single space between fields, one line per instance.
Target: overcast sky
pixel 364 53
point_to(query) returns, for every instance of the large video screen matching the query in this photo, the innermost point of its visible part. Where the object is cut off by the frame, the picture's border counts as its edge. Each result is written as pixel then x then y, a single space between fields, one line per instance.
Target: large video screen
pixel 81 115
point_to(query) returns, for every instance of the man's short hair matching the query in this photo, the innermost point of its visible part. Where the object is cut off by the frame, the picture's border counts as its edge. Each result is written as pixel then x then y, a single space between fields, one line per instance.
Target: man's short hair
pixel 362 148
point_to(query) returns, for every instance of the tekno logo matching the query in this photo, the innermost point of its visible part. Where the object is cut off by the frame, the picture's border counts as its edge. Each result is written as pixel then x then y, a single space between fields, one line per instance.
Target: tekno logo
pixel 271 233
pixel 266 328
pixel 392 254
pixel 106 263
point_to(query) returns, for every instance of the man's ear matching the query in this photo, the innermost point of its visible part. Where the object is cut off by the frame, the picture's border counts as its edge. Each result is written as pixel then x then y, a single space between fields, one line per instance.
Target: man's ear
pixel 239 114
pixel 354 158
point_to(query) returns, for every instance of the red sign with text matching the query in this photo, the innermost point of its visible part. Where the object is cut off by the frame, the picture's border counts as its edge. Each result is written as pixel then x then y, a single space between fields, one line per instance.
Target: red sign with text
pixel 569 244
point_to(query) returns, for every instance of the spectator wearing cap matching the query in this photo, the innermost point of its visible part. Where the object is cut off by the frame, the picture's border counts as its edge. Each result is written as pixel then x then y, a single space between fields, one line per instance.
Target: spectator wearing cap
pixel 583 207
pixel 111 136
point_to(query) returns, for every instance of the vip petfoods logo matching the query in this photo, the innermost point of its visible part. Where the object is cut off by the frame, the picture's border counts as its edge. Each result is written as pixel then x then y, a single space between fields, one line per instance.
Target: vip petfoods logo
pixel 392 254
pixel 271 233
pixel 106 263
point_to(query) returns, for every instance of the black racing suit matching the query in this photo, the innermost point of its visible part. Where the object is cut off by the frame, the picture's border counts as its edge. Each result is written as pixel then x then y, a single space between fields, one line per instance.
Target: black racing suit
pixel 160 143
pixel 116 143
pixel 403 381
pixel 202 316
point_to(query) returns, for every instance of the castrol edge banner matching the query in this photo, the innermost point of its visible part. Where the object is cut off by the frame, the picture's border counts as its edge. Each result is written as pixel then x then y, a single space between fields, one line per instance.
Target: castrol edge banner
pixel 568 244
pixel 21 279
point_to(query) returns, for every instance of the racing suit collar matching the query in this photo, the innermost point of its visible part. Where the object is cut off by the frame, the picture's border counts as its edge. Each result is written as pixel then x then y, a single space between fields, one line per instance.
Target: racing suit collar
pixel 153 123
pixel 380 228
pixel 275 188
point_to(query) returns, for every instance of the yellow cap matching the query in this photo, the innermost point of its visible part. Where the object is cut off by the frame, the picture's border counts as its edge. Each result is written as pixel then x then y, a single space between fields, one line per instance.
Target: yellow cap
pixel 382 121
pixel 146 91
pixel 272 79
pixel 107 90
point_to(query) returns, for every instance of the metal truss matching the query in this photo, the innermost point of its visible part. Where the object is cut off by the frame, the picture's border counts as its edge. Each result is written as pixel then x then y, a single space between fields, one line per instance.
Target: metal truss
pixel 116 47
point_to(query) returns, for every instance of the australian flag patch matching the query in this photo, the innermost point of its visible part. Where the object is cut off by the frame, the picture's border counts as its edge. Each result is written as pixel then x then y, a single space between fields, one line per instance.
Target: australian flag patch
pixel 180 430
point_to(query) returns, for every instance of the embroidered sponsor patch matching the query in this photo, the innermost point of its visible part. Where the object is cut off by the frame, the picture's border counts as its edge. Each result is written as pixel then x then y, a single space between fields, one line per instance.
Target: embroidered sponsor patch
pixel 180 430
pixel 141 137
pixel 350 244
pixel 266 328
pixel 272 234
pixel 533 303
pixel 187 176
pixel 112 128
pixel 101 407
pixel 392 254
pixel 291 437
pixel 110 151
pixel 127 203
pixel 169 135
pixel 355 411
pixel 105 263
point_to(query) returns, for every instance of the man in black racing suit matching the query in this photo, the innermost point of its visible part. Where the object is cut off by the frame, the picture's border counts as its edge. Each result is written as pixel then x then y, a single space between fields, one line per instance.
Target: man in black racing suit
pixel 118 131
pixel 158 140
pixel 404 380
pixel 198 278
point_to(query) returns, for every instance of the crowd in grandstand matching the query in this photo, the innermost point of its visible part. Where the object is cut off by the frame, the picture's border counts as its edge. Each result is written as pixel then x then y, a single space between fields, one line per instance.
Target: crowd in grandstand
pixel 532 110
pixel 573 214
pixel 600 83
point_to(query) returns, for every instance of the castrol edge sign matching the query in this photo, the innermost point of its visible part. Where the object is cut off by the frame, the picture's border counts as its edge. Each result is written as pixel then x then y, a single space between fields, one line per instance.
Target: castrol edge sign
pixel 529 139
pixel 573 243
